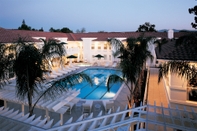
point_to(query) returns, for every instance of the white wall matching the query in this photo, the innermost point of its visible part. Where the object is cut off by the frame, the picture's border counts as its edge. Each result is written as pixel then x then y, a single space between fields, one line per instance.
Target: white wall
pixel 87 54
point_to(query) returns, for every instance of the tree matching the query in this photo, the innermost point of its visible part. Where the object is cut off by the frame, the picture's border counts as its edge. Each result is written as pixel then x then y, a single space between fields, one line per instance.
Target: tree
pixel 50 49
pixel 194 11
pixel 30 67
pixel 146 27
pixel 5 64
pixel 64 30
pixel 83 30
pixel 24 26
pixel 133 57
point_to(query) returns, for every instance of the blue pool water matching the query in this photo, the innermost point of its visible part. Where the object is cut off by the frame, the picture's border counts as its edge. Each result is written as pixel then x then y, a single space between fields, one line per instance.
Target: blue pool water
pixel 99 90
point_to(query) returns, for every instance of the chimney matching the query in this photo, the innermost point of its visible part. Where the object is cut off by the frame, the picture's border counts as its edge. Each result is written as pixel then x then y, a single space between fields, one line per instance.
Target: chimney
pixel 170 34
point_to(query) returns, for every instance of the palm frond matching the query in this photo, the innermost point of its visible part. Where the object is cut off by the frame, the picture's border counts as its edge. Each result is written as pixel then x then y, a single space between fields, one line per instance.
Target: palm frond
pixel 61 85
pixel 113 79
pixel 181 68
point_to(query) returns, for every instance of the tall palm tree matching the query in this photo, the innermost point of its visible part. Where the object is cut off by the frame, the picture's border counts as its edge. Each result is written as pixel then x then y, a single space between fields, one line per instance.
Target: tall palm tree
pixel 133 57
pixel 29 68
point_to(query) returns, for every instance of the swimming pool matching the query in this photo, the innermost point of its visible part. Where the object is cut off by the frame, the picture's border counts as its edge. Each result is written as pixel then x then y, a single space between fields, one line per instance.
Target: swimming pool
pixel 99 89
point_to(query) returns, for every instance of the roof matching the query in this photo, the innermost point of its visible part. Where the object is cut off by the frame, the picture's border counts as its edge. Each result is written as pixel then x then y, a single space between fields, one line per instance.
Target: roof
pixel 182 52
pixel 103 36
pixel 8 35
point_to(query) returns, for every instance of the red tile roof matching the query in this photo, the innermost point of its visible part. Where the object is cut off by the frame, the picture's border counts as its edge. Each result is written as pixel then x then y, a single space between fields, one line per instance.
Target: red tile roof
pixel 7 35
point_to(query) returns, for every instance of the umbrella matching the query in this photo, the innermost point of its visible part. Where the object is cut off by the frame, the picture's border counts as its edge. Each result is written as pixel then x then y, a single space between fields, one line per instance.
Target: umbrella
pixel 71 57
pixel 99 56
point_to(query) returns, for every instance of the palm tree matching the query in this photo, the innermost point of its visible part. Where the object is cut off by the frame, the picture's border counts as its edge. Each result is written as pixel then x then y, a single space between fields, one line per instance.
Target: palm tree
pixel 133 57
pixel 29 66
pixel 5 60
pixel 50 49
pixel 181 67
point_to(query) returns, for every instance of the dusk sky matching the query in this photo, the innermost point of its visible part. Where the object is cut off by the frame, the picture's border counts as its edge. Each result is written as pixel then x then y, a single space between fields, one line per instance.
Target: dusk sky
pixel 97 15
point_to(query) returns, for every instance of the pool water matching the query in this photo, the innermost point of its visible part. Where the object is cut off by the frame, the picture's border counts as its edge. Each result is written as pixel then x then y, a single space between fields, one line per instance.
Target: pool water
pixel 98 91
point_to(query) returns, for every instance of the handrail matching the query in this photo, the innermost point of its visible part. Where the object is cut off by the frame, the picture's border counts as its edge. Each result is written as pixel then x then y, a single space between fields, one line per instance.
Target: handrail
pixel 146 87
pixel 138 109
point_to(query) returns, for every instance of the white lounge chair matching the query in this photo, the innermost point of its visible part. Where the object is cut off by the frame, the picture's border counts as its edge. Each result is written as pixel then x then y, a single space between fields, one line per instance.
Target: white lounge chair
pixel 87 106
pixel 71 104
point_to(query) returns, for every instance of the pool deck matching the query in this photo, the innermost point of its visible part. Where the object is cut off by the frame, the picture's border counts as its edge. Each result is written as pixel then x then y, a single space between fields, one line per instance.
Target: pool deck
pixel 156 92
pixel 76 112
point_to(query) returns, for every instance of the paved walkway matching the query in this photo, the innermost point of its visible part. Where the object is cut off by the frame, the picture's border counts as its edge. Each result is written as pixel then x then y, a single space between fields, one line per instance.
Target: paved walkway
pixel 156 91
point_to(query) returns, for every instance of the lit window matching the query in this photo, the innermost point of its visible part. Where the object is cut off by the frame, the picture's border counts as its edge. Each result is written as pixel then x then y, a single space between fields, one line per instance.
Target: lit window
pixel 105 46
pixel 92 47
pixel 99 46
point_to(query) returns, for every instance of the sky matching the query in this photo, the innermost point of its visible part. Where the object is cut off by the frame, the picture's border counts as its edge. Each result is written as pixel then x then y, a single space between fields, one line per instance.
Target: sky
pixel 97 15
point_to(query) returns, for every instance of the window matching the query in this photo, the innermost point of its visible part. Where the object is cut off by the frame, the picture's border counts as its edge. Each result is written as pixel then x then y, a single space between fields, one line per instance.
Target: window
pixel 105 46
pixel 99 46
pixel 110 47
pixel 92 46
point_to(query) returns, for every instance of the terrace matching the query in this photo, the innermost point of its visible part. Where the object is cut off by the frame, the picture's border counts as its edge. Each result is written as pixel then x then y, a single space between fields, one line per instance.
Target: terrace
pixel 157 115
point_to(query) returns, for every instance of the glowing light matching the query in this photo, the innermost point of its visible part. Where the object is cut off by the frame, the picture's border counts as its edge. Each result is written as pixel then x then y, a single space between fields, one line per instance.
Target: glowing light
pixel 96 81
pixel 110 94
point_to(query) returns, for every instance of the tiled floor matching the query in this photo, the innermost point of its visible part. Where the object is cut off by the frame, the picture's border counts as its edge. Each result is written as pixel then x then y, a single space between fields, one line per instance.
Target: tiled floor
pixel 156 91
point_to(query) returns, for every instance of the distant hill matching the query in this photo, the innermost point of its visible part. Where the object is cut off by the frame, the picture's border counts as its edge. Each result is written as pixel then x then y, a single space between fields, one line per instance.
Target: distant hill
pixel 175 30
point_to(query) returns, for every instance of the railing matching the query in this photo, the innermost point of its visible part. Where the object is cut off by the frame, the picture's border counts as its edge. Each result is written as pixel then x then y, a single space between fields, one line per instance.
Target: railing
pixel 146 87
pixel 153 118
